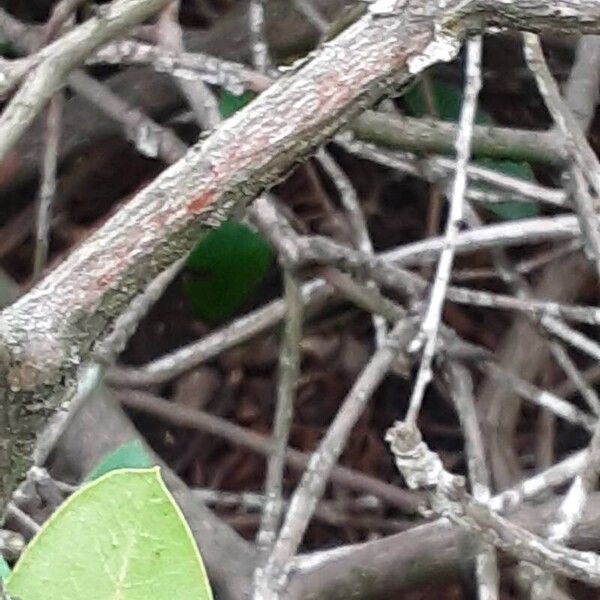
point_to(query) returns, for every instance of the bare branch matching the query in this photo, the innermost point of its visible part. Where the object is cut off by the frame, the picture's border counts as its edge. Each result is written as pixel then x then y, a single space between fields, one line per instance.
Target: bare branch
pixel 312 485
pixel 427 337
pixel 199 97
pixel 423 468
pixel 61 57
pixel 48 183
pixel 289 368
pixel 358 223
pixel 486 563
pixel 182 416
pixel 576 142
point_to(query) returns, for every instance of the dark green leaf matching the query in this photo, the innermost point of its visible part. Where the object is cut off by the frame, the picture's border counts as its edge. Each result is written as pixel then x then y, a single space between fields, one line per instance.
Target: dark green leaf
pixel 131 455
pixel 224 268
pixel 230 103
pixel 509 211
pixel 448 100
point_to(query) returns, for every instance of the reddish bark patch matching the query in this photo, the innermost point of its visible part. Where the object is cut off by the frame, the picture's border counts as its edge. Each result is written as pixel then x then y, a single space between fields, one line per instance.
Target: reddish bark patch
pixel 105 280
pixel 198 204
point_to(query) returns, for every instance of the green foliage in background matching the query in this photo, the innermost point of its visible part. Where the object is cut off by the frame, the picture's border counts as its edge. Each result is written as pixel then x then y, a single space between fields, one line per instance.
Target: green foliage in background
pixel 121 537
pixel 230 103
pixel 131 455
pixel 447 100
pixel 223 270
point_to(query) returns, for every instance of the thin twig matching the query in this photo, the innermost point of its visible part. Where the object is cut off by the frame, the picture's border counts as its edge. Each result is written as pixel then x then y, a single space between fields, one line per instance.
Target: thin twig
pixel 48 183
pixel 587 215
pixel 61 57
pixel 260 48
pixel 576 142
pixel 314 480
pixel 198 95
pixel 61 12
pixel 427 336
pixel 107 350
pixel 422 468
pixel 461 383
pixel 289 369
pixel 234 77
pixel 182 416
pixel 306 8
pixel 435 168
pixel 356 217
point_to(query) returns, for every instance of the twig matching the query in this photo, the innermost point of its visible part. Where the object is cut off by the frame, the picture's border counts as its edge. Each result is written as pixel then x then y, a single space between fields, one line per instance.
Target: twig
pixel 381 269
pixel 426 135
pixel 314 294
pixel 523 267
pixel 529 489
pixel 61 12
pixel 234 77
pixel 148 137
pixel 543 398
pixel 260 49
pixel 182 416
pixel 427 337
pixel 288 371
pixel 576 142
pixel 107 350
pixel 571 336
pixel 461 384
pixel 575 376
pixel 434 168
pixel 199 97
pixel 583 89
pixel 314 480
pixel 306 8
pixel 573 504
pixel 356 217
pixel 423 468
pixel 61 57
pixel 587 215
pixel 48 183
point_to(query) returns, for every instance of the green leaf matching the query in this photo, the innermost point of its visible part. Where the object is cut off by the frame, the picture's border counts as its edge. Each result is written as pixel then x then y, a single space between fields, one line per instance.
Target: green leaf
pixel 509 211
pixel 131 455
pixel 121 537
pixel 223 270
pixel 230 103
pixel 448 101
pixel 4 568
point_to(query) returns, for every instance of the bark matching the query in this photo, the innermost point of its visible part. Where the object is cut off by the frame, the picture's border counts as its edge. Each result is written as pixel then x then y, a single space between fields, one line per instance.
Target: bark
pixel 380 568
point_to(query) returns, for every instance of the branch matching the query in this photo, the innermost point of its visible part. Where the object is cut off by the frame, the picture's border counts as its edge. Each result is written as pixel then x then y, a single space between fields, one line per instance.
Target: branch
pixel 423 468
pixel 427 337
pixel 61 57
